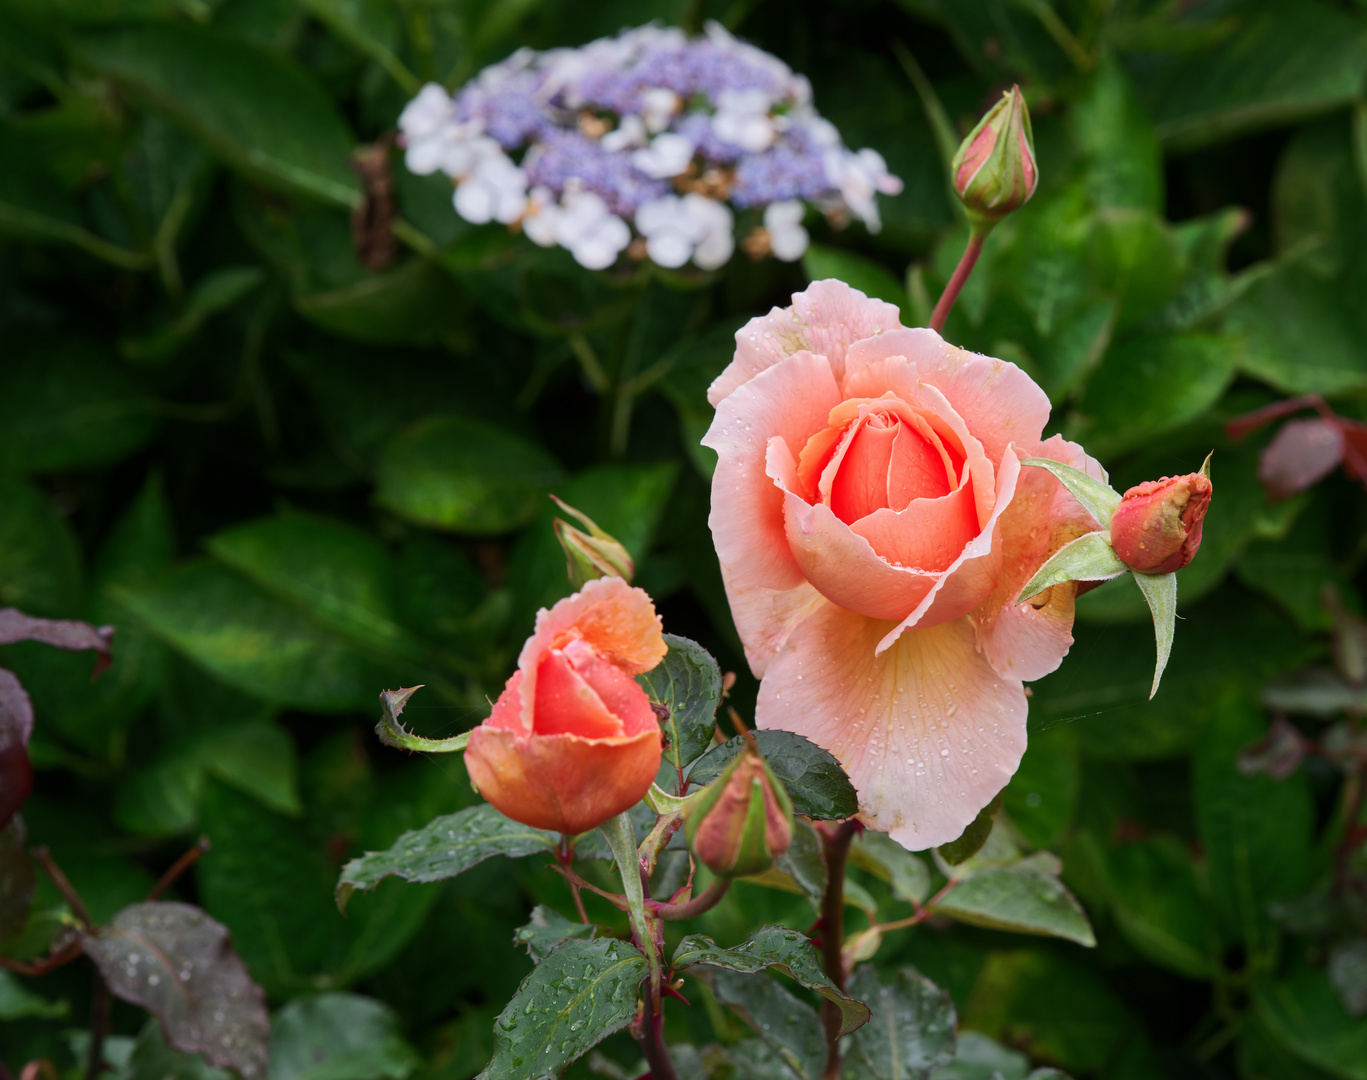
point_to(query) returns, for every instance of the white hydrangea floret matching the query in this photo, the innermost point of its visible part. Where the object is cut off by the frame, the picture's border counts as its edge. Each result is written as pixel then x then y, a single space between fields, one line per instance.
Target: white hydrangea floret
pixel 658 106
pixel 667 155
pixel 858 177
pixel 742 119
pixel 433 139
pixel 494 190
pixel 788 240
pixel 541 221
pixel 591 232
pixel 678 228
pixel 629 134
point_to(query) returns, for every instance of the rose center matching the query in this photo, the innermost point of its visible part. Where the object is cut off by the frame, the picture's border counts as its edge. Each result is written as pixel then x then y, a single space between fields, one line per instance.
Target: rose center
pixel 877 460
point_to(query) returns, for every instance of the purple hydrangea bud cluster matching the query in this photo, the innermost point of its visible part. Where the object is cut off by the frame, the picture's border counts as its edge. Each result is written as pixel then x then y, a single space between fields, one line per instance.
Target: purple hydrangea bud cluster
pixel 644 143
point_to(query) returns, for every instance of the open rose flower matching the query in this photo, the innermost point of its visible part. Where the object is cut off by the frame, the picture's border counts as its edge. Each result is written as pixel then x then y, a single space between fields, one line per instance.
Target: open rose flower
pixel 874 526
pixel 572 740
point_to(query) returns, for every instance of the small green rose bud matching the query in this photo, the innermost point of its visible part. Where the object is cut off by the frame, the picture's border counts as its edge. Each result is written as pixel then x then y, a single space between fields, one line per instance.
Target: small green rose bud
pixel 592 554
pixel 741 822
pixel 994 170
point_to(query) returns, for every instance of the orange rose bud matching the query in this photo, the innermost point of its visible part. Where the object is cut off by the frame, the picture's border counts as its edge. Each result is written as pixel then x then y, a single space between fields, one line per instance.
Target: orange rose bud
pixel 742 821
pixel 593 554
pixel 994 170
pixel 572 740
pixel 1156 529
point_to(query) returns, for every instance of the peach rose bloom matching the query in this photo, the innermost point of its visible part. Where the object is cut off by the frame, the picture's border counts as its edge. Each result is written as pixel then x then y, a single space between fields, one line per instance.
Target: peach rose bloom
pixel 874 526
pixel 572 740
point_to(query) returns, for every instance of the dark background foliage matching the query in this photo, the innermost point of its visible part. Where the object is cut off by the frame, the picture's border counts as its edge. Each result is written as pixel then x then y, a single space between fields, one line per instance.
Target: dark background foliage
pixel 291 482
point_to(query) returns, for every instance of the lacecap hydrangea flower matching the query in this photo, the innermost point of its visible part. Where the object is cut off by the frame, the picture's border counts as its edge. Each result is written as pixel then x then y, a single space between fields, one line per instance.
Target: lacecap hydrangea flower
pixel 648 143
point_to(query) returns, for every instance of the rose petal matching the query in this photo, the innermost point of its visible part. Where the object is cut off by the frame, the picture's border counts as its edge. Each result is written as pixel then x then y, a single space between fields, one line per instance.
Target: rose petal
pixel 767 590
pixel 860 484
pixel 826 320
pixel 927 731
pixel 561 782
pixel 918 469
pixel 566 704
pixel 970 579
pixel 840 564
pixel 619 622
pixel 928 534
pixel 998 401
pixel 1027 641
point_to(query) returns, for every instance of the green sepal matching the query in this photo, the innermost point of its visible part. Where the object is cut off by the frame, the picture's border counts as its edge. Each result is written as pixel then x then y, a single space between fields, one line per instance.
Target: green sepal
pixel 1160 590
pixel 1097 498
pixel 1088 558
pixel 392 733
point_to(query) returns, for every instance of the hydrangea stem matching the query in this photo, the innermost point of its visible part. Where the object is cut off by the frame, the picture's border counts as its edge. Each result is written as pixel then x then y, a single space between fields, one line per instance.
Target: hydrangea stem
pixel 956 282
pixel 836 840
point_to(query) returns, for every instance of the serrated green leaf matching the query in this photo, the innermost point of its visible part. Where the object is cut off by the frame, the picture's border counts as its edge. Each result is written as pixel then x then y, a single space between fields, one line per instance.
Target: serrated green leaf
pixel 336 1036
pixel 577 996
pixel 1018 900
pixel 773 947
pixel 687 682
pixel 1096 497
pixel 443 848
pixel 1088 558
pixel 805 862
pixel 788 1026
pixel 912 1032
pixel 547 929
pixel 814 779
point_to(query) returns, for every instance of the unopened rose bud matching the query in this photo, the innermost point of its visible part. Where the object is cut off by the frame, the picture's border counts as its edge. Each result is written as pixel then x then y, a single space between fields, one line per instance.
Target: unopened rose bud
pixel 994 170
pixel 592 554
pixel 742 821
pixel 1156 529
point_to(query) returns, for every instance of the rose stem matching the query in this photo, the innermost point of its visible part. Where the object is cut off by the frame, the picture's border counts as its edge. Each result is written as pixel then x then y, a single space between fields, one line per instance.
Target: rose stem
pixel 64 886
pixel 956 281
pixel 179 867
pixel 837 850
pixel 99 1020
pixel 705 900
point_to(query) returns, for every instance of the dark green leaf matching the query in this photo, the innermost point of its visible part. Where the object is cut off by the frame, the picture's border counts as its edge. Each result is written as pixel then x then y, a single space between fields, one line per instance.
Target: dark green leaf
pixel 1281 61
pixel 547 929
pixel 788 1026
pixel 152 1059
pixel 16 878
pixel 415 303
pixel 229 94
pixel 454 473
pixel 216 292
pixel 69 405
pixel 576 997
pixel 773 947
pixel 444 848
pixel 176 962
pixel 252 640
pixel 805 862
pixel 974 837
pixel 912 1030
pixel 687 682
pixel 1042 795
pixel 40 564
pixel 17 1002
pixel 815 781
pixel 1124 164
pixel 1256 831
pixel 1303 1013
pixel 885 858
pixel 338 1037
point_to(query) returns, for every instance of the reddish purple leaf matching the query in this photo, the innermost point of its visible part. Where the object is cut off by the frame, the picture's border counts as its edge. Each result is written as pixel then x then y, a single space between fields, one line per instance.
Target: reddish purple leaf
pixel 1278 754
pixel 1302 452
pixel 62 633
pixel 16 725
pixel 179 964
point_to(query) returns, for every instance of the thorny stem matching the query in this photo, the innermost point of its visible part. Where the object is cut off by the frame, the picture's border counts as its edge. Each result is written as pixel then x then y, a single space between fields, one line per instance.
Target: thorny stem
pixel 64 886
pixel 837 849
pixel 956 281
pixel 179 867
pixel 99 1021
pixel 652 1040
pixel 704 901
pixel 564 854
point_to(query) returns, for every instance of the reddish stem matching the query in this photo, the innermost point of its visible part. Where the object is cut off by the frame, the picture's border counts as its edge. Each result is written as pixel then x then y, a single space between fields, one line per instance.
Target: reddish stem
pixel 837 850
pixel 64 886
pixel 956 282
pixel 179 867
pixel 704 901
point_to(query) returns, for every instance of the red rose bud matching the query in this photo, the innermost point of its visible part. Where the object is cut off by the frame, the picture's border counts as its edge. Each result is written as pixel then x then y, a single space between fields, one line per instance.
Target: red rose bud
pixel 994 170
pixel 1156 529
pixel 592 554
pixel 742 821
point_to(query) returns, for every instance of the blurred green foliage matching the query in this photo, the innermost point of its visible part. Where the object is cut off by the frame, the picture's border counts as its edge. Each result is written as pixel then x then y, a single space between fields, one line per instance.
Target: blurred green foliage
pixel 291 481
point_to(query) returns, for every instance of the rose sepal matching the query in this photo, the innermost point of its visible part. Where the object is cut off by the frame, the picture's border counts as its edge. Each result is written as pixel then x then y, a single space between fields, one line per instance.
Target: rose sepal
pixel 1088 558
pixel 393 733
pixel 662 802
pixel 1097 498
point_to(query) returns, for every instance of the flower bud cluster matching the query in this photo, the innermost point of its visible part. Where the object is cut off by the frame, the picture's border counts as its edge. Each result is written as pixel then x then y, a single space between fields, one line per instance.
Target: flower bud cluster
pixel 647 136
